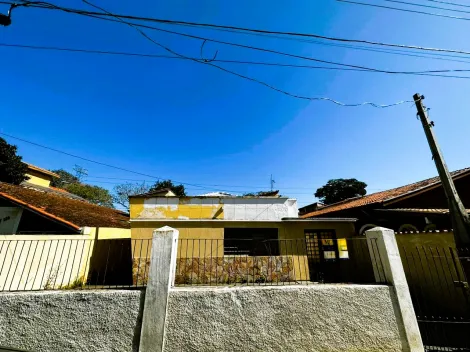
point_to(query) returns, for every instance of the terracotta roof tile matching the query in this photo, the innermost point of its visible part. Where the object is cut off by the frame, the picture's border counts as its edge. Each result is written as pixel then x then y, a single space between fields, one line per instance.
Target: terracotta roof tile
pixel 383 196
pixel 71 212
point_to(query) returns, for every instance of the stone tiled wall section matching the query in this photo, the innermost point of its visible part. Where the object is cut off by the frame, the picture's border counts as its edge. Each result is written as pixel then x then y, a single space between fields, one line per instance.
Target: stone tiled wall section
pixel 224 270
pixel 140 271
pixel 227 270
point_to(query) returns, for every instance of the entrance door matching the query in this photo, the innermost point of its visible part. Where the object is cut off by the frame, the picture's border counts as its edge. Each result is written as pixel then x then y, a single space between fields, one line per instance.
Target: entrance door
pixel 322 254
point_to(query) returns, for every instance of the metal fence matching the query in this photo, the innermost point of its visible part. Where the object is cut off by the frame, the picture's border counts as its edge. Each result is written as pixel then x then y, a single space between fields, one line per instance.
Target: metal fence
pixel 124 263
pixel 27 265
pixel 440 295
pixel 214 262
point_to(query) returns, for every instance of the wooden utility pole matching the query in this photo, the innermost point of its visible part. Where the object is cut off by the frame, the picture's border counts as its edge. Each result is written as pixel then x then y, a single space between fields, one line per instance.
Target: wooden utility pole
pixel 458 213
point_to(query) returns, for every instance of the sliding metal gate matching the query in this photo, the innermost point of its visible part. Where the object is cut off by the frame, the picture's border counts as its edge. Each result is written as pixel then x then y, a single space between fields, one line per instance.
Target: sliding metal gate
pixel 440 294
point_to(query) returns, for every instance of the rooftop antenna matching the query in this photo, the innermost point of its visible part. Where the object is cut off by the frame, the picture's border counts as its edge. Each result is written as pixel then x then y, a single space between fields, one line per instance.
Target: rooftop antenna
pixel 272 182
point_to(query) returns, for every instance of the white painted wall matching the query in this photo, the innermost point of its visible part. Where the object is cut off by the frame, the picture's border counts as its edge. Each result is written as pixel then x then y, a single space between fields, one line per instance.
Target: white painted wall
pixel 9 219
pixel 259 208
pixel 235 208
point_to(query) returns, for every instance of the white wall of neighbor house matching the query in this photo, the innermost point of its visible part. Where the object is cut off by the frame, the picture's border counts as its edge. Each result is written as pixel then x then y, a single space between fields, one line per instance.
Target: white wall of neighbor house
pixel 226 208
pixel 9 219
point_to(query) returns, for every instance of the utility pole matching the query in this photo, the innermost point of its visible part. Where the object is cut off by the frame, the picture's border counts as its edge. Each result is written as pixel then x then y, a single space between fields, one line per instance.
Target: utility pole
pixel 458 213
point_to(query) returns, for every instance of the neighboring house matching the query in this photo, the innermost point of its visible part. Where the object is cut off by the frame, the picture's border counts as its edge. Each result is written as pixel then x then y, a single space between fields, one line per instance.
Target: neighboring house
pixel 230 228
pixel 420 206
pixel 39 177
pixel 30 210
pixel 310 208
pixel 34 207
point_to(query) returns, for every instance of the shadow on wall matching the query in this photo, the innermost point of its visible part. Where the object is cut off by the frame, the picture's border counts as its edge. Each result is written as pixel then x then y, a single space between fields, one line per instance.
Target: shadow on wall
pixel 111 263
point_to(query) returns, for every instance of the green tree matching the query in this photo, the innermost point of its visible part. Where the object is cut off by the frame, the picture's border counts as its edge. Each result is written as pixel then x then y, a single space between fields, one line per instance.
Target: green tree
pixel 66 178
pixel 93 194
pixel 122 192
pixel 177 189
pixel 12 168
pixel 340 189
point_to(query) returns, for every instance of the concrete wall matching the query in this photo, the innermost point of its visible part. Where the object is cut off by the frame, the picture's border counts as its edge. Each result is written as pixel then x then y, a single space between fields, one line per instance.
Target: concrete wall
pixel 301 318
pixel 308 318
pixel 87 321
pixel 226 208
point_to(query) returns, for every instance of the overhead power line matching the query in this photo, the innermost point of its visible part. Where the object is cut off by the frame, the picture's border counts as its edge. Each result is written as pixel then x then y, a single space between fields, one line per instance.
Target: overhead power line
pixel 209 63
pixel 92 161
pixel 261 63
pixel 405 10
pixel 244 29
pixel 155 178
pixel 448 3
pixel 427 6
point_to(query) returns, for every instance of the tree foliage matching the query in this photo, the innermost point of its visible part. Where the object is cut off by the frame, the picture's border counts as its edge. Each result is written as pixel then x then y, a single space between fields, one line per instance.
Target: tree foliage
pixel 177 189
pixel 340 189
pixel 93 194
pixel 12 168
pixel 66 178
pixel 124 191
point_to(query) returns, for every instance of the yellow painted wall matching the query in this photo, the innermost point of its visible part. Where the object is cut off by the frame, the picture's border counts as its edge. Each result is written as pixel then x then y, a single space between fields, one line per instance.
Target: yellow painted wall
pixel 107 233
pixel 38 178
pixel 182 210
pixel 439 239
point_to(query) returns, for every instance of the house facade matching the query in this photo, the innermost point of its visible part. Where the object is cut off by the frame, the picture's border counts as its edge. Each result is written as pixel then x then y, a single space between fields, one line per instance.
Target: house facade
pixel 239 232
pixel 417 207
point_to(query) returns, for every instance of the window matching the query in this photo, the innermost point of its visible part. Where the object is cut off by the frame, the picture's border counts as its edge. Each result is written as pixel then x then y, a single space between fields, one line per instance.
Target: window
pixel 251 241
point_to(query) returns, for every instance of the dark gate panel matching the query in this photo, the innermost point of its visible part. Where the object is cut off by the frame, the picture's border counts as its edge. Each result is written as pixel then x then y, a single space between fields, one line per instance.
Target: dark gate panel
pixel 440 296
pixel 332 260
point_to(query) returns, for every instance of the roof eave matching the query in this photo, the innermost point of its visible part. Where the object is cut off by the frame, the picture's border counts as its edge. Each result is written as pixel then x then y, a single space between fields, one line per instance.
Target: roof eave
pixel 41 212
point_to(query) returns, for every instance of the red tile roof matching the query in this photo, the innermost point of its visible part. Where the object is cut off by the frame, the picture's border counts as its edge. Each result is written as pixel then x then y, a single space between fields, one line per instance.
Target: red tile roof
pixel 71 212
pixel 384 196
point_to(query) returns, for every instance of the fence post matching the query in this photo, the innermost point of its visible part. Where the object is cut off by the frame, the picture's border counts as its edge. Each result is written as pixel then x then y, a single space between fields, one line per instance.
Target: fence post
pixel 161 278
pixel 388 267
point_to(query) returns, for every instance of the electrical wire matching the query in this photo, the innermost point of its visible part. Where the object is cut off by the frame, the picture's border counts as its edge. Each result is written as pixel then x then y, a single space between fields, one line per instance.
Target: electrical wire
pixel 207 25
pixel 427 6
pixel 209 63
pixel 405 10
pixel 155 178
pixel 448 3
pixel 92 161
pixel 261 63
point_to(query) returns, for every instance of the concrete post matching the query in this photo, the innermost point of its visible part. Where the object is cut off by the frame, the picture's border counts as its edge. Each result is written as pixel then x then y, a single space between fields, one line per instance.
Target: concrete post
pixel 161 278
pixel 388 267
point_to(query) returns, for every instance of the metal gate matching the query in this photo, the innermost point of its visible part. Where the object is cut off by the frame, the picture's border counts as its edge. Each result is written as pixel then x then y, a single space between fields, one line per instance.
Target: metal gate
pixel 440 294
pixel 321 251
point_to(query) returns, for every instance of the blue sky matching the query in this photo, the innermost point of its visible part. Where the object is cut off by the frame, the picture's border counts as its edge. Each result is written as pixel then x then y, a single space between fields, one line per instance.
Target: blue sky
pixel 195 124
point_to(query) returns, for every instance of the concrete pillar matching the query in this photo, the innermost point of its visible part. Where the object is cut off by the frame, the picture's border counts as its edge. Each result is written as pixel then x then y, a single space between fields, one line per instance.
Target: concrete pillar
pixel 161 278
pixel 388 268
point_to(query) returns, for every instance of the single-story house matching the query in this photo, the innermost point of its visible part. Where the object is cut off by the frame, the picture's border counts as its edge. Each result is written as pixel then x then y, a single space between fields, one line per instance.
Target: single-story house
pixel 243 237
pixel 420 206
